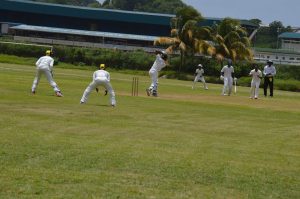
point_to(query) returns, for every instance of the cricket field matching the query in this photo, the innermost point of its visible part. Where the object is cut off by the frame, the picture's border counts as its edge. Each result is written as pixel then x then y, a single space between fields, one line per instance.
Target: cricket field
pixel 183 144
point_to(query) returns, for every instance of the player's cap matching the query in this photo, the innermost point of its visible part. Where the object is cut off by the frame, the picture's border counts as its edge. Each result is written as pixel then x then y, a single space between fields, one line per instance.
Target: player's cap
pixel 200 65
pixel 48 52
pixel 102 66
pixel 270 61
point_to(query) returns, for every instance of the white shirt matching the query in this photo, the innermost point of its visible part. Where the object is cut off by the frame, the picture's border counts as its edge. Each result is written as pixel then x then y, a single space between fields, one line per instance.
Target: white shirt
pixel 45 62
pixel 101 74
pixel 270 70
pixel 158 64
pixel 227 71
pixel 255 75
pixel 199 72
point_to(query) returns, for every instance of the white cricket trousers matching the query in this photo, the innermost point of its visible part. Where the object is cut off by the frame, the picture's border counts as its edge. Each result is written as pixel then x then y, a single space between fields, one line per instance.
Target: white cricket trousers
pixel 154 79
pixel 228 81
pixel 49 77
pixel 100 82
pixel 254 90
pixel 201 78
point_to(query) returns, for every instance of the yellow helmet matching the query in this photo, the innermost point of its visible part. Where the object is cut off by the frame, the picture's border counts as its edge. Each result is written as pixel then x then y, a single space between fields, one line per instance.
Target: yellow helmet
pixel 48 52
pixel 102 66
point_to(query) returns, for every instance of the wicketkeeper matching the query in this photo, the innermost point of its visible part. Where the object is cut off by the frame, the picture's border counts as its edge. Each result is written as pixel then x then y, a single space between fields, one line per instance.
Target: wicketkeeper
pixel 44 65
pixel 100 78
pixel 199 76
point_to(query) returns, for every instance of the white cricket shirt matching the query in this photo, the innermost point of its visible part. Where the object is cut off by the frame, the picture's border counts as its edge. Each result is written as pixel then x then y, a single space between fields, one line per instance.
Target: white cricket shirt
pixel 45 62
pixel 227 71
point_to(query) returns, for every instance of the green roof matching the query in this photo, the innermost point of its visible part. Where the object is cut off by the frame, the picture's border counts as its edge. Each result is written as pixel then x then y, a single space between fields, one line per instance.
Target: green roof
pixel 99 14
pixel 85 12
pixel 289 35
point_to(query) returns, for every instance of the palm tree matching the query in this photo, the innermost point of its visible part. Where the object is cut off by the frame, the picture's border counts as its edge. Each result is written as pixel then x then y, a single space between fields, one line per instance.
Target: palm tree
pixel 188 38
pixel 231 41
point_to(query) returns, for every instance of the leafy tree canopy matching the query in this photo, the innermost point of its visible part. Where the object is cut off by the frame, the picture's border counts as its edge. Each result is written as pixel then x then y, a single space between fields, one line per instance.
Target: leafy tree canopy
pixel 156 6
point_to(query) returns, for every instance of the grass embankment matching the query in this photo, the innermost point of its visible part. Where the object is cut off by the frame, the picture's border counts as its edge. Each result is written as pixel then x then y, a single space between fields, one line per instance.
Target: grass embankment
pixel 184 144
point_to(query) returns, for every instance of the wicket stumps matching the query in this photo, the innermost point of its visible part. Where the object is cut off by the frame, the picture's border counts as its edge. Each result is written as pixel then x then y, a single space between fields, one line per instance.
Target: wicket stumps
pixel 135 86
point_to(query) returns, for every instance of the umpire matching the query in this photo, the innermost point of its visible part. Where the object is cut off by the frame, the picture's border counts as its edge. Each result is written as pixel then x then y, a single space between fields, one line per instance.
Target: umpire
pixel 269 73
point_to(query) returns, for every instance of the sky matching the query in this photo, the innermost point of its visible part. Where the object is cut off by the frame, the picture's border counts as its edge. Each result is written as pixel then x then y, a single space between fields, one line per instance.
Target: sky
pixel 286 11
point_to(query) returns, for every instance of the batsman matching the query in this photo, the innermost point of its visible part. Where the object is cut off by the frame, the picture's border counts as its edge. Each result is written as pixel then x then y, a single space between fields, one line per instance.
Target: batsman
pixel 159 63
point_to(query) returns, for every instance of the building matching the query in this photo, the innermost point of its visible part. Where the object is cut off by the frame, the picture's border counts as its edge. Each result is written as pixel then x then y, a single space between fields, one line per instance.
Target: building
pixel 278 56
pixel 55 24
pixel 290 41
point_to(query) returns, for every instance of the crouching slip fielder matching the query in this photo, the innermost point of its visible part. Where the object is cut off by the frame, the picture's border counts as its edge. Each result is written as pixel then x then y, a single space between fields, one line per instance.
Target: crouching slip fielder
pixel 44 65
pixel 227 74
pixel 100 78
pixel 199 76
pixel 159 63
pixel 255 82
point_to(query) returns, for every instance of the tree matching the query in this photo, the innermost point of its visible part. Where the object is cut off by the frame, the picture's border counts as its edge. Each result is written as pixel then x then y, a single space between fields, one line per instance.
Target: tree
pixel 156 6
pixel 72 2
pixel 187 36
pixel 275 28
pixel 255 21
pixel 231 41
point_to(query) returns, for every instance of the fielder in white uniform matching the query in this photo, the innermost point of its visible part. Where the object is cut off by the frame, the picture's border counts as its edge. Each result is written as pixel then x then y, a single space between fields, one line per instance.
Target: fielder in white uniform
pixel 227 74
pixel 159 63
pixel 199 76
pixel 44 65
pixel 256 75
pixel 100 78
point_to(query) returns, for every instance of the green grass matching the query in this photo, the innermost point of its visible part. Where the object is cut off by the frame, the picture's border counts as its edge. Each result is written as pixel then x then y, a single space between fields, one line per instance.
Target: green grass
pixel 184 144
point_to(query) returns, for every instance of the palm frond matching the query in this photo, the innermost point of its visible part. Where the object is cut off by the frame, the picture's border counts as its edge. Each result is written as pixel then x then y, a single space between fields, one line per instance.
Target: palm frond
pixel 182 47
pixel 219 39
pixel 222 49
pixel 246 41
pixel 203 33
pixel 204 47
pixel 164 41
pixel 233 55
pixel 174 32
pixel 231 38
pixel 242 31
pixel 190 35
pixel 170 50
pixel 219 57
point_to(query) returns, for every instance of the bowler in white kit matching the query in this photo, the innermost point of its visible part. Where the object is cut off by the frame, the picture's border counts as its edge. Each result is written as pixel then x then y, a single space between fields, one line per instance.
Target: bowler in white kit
pixel 100 78
pixel 256 75
pixel 227 75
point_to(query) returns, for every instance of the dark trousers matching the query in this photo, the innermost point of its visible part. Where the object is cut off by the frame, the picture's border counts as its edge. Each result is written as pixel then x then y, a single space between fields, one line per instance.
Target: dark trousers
pixel 268 81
